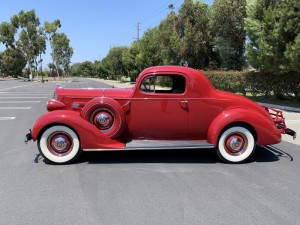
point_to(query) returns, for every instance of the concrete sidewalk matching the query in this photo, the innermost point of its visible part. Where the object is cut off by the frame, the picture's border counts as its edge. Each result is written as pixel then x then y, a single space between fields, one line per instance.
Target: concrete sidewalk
pixel 116 84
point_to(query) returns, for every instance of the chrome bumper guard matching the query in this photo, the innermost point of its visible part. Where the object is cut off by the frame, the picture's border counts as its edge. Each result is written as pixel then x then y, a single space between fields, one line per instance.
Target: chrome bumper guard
pixel 290 132
pixel 279 120
pixel 28 137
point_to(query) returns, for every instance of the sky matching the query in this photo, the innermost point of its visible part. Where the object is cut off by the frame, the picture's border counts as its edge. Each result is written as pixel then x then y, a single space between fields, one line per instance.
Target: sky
pixel 94 26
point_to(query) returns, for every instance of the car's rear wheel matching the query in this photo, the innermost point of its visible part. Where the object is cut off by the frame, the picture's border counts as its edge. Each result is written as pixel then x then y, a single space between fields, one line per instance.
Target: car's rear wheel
pixel 59 144
pixel 236 144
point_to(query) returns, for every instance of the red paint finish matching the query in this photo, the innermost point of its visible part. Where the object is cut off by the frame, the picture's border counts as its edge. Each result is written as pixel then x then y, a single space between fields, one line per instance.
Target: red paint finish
pixel 150 112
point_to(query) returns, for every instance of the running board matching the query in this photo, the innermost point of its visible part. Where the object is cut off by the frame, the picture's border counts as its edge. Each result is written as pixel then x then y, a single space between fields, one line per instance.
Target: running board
pixel 160 144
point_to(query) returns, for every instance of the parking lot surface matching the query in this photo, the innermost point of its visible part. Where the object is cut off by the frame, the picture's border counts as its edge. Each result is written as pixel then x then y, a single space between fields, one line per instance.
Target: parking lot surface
pixel 182 187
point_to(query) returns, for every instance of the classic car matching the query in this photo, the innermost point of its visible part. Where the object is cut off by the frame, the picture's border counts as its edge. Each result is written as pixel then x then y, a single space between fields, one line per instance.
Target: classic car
pixel 170 107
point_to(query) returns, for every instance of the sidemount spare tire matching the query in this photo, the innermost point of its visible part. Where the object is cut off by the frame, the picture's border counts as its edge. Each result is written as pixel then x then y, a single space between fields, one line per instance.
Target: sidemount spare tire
pixel 106 114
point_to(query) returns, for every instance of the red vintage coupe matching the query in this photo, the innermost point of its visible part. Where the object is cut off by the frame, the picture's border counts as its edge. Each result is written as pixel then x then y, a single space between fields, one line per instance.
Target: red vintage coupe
pixel 170 107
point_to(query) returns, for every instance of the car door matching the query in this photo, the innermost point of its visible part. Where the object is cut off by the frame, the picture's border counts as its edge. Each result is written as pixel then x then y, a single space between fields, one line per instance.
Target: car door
pixel 159 108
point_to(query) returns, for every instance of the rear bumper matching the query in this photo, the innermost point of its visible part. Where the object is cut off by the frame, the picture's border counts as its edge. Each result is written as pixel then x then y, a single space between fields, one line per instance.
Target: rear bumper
pixel 279 120
pixel 290 132
pixel 28 137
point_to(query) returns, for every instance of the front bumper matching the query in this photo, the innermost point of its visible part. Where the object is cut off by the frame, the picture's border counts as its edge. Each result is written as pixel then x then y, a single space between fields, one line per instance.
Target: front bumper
pixel 28 137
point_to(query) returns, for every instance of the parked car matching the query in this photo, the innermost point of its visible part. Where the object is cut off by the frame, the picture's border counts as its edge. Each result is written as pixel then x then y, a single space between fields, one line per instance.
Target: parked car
pixel 170 107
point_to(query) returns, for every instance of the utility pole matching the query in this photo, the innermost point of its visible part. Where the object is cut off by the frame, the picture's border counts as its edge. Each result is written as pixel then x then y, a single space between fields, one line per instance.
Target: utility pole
pixel 138 29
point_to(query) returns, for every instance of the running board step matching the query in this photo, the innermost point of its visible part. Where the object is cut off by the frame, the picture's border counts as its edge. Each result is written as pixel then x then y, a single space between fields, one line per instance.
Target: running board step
pixel 158 144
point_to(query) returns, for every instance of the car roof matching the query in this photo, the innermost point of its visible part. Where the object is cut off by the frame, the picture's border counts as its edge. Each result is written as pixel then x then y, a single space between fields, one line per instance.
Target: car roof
pixel 198 81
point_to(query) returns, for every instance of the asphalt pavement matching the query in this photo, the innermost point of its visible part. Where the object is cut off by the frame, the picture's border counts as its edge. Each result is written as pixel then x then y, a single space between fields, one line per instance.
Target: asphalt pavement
pixel 182 187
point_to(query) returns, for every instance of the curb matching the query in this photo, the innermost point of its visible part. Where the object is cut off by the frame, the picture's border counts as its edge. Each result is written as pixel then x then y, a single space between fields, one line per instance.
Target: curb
pixel 281 107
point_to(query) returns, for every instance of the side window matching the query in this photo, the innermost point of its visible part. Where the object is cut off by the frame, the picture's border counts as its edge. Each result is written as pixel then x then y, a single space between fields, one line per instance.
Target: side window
pixel 148 84
pixel 169 84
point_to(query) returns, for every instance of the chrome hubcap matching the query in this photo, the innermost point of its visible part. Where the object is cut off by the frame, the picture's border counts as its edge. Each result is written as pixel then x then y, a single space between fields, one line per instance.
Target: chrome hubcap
pixel 103 119
pixel 236 144
pixel 60 144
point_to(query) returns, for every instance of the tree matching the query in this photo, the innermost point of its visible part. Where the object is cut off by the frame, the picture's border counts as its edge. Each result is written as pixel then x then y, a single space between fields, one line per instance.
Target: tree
pixel 169 39
pixel 87 69
pixel 130 61
pixel 273 29
pixel 149 49
pixel 41 48
pixel 62 52
pixel 30 41
pixel 52 69
pixel 12 62
pixel 50 30
pixel 7 34
pixel 193 30
pixel 227 26
pixel 113 63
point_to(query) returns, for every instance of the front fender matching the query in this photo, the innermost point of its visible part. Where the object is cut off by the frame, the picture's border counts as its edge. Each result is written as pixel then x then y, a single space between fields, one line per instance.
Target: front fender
pixel 265 129
pixel 90 137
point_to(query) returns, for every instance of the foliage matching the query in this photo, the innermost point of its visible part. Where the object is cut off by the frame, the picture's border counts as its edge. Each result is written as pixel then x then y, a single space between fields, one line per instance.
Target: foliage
pixel 193 30
pixel 7 34
pixel 50 30
pixel 232 81
pixel 255 82
pixel 274 40
pixel 31 42
pixel 169 46
pixel 131 62
pixel 227 27
pixel 12 62
pixel 112 64
pixel 61 52
pixel 25 34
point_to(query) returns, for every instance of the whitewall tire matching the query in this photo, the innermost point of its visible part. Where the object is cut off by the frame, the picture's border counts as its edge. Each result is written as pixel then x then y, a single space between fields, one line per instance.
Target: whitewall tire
pixel 236 144
pixel 59 144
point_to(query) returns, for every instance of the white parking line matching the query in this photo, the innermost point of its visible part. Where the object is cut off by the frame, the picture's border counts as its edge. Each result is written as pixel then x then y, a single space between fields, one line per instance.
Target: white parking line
pixel 17 102
pixel 16 87
pixel 20 97
pixel 22 93
pixel 292 121
pixel 13 107
pixel 7 118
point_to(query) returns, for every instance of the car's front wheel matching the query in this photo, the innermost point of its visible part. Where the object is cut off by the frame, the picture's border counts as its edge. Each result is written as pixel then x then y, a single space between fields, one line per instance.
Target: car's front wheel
pixel 59 144
pixel 236 144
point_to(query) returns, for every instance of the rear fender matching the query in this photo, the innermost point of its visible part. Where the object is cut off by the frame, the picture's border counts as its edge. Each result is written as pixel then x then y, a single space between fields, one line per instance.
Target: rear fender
pixel 264 127
pixel 90 137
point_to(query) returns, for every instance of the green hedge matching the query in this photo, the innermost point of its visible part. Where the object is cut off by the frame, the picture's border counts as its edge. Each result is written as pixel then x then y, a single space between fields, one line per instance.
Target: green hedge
pixel 232 81
pixel 256 83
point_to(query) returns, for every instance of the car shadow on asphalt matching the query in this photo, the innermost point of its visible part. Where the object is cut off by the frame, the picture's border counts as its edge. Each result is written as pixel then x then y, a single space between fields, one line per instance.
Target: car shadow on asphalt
pixel 150 156
pixel 205 156
pixel 270 154
pixel 201 156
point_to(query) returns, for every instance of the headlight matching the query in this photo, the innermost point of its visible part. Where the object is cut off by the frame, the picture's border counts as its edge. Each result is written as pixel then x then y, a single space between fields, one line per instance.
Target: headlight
pixel 55 105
